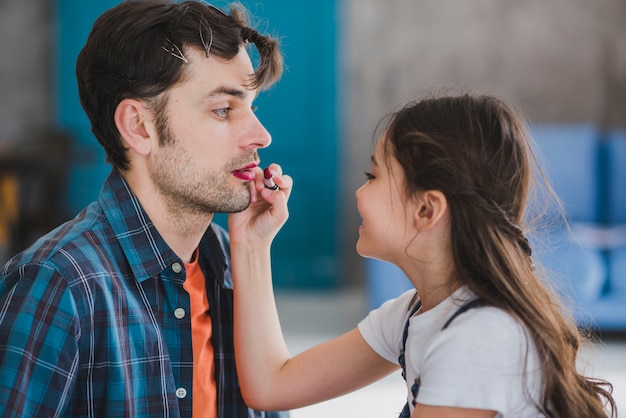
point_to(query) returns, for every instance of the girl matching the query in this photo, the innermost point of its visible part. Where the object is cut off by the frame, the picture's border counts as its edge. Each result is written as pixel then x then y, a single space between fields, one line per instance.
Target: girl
pixel 480 335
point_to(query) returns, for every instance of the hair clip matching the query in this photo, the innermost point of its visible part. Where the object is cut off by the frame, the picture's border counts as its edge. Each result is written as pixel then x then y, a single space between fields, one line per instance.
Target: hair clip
pixel 207 48
pixel 175 51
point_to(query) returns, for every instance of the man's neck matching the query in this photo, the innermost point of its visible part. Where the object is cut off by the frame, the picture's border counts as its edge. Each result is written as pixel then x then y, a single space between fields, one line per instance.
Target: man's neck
pixel 181 231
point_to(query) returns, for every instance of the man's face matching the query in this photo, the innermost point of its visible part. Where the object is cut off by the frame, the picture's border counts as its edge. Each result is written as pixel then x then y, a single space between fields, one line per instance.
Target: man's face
pixel 209 138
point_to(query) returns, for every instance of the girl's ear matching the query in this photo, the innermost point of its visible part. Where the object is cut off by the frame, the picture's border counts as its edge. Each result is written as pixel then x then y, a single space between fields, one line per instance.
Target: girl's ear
pixel 430 208
pixel 132 119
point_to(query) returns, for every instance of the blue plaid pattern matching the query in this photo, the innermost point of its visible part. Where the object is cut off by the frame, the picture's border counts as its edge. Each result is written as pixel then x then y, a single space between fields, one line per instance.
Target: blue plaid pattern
pixel 87 322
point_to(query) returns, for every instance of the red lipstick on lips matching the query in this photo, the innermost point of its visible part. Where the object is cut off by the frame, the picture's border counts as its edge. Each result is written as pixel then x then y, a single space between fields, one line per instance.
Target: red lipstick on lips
pixel 245 173
pixel 268 180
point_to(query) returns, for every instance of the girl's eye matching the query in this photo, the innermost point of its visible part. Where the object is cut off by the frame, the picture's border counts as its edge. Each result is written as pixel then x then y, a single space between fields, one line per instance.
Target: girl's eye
pixel 369 175
pixel 222 112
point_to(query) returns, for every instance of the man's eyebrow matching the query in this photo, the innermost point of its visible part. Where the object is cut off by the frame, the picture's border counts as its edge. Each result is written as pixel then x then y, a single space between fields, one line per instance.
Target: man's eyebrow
pixel 227 91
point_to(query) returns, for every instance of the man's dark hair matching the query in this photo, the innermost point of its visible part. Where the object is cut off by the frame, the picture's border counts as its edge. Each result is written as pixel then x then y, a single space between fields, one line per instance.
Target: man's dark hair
pixel 136 50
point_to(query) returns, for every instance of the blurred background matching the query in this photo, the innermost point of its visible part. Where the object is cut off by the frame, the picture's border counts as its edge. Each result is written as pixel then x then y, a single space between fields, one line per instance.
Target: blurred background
pixel 349 62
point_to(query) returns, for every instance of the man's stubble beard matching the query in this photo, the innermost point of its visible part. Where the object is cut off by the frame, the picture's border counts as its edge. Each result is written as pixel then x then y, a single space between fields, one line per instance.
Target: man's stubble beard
pixel 188 189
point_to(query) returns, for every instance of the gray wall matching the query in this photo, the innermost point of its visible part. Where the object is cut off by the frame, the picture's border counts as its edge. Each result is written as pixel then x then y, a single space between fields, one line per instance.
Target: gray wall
pixel 556 60
pixel 26 66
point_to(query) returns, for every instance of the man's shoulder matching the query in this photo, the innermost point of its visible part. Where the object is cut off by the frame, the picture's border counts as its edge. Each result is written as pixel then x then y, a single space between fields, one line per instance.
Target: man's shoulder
pixel 71 246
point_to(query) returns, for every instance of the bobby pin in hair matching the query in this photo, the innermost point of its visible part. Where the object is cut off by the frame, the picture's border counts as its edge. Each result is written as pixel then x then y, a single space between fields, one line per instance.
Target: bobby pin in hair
pixel 175 51
pixel 207 47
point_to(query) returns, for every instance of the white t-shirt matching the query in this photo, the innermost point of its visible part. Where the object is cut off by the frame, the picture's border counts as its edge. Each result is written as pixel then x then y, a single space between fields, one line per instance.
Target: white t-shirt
pixel 483 359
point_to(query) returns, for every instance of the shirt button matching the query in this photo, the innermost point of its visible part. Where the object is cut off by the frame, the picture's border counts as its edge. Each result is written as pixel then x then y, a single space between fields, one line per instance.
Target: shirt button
pixel 177 267
pixel 179 313
pixel 181 393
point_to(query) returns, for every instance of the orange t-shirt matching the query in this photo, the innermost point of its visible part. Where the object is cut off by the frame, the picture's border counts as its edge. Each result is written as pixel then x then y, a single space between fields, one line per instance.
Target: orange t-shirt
pixel 204 403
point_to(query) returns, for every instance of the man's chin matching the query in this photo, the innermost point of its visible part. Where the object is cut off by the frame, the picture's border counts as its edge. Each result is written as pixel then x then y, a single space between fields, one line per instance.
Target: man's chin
pixel 240 205
pixel 229 201
pixel 238 210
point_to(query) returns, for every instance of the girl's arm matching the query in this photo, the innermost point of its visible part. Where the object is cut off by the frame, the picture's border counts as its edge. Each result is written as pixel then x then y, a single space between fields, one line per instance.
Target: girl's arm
pixel 270 379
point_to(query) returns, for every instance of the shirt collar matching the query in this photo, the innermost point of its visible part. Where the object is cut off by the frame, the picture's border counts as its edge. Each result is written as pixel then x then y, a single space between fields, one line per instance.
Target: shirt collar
pixel 145 249
pixel 215 255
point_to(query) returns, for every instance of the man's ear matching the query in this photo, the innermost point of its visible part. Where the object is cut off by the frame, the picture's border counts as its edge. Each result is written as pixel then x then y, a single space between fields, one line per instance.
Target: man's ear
pixel 132 119
pixel 430 208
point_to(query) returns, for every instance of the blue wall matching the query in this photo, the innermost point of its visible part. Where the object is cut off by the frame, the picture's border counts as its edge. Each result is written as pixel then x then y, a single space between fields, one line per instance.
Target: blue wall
pixel 300 113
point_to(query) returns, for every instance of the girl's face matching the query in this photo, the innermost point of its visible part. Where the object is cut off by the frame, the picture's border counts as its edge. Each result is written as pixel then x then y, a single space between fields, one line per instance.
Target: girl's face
pixel 387 226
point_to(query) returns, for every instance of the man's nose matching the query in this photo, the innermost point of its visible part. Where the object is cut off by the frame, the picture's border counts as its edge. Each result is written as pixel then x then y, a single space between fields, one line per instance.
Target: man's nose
pixel 258 136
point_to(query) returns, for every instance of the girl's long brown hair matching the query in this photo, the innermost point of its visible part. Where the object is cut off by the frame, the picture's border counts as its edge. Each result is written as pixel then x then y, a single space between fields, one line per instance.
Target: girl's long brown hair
pixel 475 150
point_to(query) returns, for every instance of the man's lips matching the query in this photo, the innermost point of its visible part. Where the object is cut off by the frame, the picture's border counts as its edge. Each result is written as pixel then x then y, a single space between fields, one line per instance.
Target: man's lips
pixel 245 173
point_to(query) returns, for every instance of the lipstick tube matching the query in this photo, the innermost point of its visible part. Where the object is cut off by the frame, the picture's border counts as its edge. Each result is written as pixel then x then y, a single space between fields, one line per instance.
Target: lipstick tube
pixel 268 180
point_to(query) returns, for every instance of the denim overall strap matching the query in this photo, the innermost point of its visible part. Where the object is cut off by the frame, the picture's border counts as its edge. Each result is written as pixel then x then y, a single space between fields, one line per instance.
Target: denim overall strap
pixel 406 412
pixel 405 335
pixel 469 305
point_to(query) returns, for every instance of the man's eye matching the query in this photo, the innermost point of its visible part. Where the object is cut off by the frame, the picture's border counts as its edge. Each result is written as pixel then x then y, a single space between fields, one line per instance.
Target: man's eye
pixel 222 112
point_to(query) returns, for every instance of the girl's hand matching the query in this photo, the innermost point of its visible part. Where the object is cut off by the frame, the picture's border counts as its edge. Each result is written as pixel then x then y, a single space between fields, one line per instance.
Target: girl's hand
pixel 267 213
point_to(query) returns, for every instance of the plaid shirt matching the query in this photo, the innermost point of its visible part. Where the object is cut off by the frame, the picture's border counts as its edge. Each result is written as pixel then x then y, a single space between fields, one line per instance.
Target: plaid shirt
pixel 94 320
